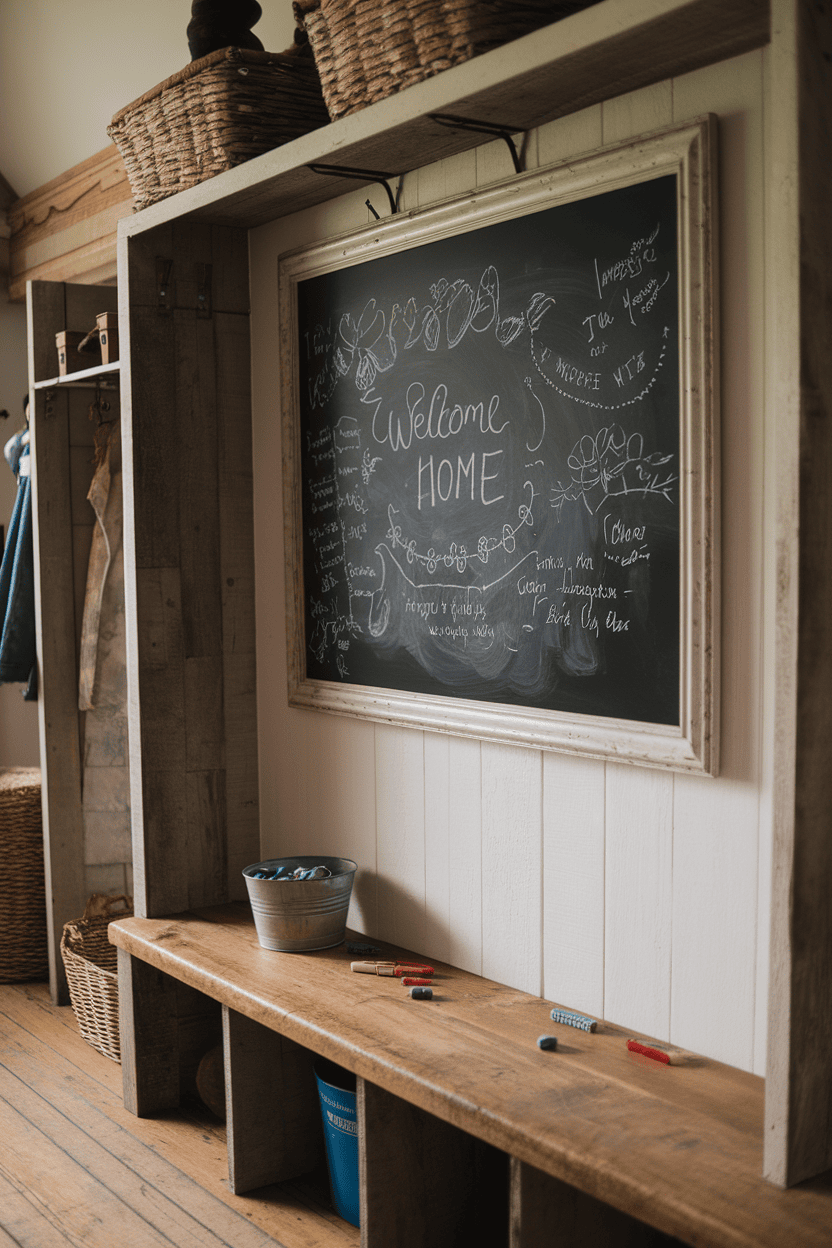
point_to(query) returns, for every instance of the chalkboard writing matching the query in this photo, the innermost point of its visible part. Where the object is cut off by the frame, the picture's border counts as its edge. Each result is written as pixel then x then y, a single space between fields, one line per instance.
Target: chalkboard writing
pixel 489 443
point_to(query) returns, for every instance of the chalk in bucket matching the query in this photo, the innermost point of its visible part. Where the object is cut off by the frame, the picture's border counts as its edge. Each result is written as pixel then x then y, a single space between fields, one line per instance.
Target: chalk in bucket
pixel 336 1089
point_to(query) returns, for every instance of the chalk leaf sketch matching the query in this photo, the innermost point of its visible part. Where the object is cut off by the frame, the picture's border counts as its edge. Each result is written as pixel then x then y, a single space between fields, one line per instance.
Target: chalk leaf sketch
pixel 500 494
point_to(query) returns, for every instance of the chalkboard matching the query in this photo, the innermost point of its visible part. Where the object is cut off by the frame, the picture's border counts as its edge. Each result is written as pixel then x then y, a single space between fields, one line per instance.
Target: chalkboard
pixel 488 447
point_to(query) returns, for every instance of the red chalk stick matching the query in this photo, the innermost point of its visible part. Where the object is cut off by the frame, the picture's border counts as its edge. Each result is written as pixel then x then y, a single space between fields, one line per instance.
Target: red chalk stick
pixel 646 1050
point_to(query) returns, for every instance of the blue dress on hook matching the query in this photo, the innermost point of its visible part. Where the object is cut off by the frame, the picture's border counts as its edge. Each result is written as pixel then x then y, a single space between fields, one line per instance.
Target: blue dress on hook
pixel 17 578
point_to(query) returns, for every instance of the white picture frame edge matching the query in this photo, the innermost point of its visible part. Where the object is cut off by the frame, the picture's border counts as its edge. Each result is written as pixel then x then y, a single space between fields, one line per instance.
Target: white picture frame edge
pixel 689 151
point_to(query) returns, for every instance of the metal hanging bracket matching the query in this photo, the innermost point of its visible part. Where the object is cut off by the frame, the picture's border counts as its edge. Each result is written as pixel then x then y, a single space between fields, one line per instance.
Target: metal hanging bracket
pixel 365 175
pixel 482 127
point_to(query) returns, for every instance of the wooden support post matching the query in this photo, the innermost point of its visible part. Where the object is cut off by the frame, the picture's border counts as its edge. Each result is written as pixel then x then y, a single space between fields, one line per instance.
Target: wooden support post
pixel 545 1210
pixel 149 1036
pixel 271 1105
pixel 425 1183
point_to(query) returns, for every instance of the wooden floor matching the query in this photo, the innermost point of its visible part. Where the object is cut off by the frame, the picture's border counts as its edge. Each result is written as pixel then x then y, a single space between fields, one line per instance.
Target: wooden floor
pixel 76 1168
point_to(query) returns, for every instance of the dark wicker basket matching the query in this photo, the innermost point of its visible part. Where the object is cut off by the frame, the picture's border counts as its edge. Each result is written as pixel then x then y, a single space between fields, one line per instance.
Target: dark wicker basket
pixel 368 49
pixel 216 113
pixel 24 947
pixel 91 964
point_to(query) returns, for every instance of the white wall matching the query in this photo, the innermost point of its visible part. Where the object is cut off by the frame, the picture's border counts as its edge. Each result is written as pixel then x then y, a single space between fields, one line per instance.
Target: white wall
pixel 636 895
pixel 67 68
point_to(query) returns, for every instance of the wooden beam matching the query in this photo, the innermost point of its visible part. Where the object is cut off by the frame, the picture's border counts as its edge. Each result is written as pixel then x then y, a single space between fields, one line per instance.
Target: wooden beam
pixel 424 1181
pixel 272 1112
pixel 66 230
pixel 798 1141
pixel 148 1037
pixel 540 1203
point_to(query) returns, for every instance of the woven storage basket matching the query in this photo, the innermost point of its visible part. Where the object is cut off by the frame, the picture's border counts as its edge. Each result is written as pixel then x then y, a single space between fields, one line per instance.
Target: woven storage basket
pixel 217 112
pixel 24 948
pixel 91 971
pixel 368 49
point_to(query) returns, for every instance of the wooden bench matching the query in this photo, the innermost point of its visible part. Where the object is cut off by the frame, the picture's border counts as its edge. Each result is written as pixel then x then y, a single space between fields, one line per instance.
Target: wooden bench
pixel 465 1125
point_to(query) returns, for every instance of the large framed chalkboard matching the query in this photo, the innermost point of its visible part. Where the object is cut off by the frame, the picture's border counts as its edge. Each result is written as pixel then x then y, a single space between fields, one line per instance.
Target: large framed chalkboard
pixel 499 429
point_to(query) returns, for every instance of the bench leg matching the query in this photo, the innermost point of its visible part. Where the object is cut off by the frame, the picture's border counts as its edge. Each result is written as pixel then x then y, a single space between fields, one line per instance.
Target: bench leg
pixel 271 1105
pixel 148 1037
pixel 547 1211
pixel 425 1183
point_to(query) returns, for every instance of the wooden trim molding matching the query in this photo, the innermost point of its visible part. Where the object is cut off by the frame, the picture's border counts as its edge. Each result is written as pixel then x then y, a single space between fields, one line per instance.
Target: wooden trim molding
pixel 66 230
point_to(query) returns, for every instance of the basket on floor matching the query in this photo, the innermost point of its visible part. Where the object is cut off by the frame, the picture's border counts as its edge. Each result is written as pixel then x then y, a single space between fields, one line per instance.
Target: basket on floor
pixel 217 112
pixel 91 971
pixel 366 50
pixel 24 946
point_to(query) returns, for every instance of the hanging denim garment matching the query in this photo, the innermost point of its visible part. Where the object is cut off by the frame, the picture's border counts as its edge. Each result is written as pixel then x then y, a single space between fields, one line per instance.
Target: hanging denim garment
pixel 17 578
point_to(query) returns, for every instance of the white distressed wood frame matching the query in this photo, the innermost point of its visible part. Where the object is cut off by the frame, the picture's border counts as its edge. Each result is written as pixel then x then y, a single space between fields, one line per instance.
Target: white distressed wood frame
pixel 689 152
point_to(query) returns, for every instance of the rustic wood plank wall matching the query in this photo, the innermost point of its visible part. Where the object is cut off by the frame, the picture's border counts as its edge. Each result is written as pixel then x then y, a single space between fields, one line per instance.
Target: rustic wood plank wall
pixel 189 566
pixel 77 864
pixel 633 894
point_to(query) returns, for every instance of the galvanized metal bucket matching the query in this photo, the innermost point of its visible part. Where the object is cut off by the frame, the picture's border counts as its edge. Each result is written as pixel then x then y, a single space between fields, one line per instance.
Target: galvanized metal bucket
pixel 296 916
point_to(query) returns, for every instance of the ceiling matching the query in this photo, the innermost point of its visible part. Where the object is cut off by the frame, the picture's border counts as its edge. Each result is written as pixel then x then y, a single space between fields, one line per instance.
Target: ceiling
pixel 67 67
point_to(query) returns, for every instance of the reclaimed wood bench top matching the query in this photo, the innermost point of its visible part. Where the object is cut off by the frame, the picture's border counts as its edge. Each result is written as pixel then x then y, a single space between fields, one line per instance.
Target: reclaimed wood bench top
pixel 679 1147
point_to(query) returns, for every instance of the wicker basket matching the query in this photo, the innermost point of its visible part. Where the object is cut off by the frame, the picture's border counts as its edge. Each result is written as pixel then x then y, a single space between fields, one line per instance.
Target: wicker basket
pixel 24 946
pixel 368 49
pixel 218 112
pixel 90 962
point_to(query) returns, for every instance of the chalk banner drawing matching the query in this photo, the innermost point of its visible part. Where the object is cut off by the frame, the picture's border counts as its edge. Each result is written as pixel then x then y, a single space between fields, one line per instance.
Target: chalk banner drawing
pixel 499 482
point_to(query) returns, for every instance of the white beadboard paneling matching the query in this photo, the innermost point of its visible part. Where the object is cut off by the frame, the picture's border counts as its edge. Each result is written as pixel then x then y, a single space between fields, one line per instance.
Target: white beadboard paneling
pixel 638 112
pixel 714 929
pixel 511 866
pixel 340 807
pixel 579 132
pixel 453 852
pixel 400 835
pixel 719 950
pixel 407 189
pixel 454 176
pixel 639 865
pixel 465 854
pixel 494 160
pixel 437 847
pixel 573 882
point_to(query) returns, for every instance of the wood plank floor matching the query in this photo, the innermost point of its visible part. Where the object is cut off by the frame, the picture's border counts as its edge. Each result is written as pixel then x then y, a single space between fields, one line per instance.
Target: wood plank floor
pixel 76 1168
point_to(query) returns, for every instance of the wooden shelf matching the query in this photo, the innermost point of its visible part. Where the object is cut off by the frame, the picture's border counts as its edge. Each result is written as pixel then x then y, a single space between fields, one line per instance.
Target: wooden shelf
pixel 677 1147
pixel 87 378
pixel 614 47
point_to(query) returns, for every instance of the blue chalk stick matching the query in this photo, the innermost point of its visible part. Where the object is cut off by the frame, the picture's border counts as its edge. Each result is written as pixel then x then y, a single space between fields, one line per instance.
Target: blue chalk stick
pixel 571 1019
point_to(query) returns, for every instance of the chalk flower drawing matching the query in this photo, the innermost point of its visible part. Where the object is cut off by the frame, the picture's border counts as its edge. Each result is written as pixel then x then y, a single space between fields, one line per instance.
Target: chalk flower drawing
pixel 612 464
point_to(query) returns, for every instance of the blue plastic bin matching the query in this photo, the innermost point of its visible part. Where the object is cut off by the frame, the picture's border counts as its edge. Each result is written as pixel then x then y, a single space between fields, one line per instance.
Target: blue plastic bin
pixel 336 1089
